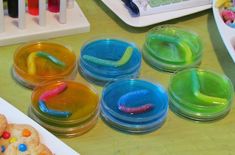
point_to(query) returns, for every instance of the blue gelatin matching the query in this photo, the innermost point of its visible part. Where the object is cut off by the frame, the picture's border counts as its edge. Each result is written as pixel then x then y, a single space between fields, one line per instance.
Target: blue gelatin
pixel 111 50
pixel 129 122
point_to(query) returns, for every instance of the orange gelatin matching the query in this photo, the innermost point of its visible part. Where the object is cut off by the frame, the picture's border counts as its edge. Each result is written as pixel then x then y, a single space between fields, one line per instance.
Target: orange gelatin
pixel 45 69
pixel 78 98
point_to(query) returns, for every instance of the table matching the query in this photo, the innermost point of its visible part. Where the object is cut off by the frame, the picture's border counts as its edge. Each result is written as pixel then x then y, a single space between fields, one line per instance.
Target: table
pixel 177 136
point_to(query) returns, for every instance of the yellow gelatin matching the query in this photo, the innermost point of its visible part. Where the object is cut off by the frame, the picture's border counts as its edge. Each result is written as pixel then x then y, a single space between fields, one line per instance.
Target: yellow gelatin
pixel 41 61
pixel 80 99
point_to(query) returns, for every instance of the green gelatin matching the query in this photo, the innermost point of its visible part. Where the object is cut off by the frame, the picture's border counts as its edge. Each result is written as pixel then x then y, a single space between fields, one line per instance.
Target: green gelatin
pixel 170 48
pixel 200 95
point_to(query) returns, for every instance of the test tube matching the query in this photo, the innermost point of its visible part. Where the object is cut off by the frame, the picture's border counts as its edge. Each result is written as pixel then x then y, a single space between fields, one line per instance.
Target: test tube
pixel 70 4
pixel 33 7
pixel 42 12
pixel 12 6
pixel 54 5
pixel 21 19
pixel 63 13
pixel 2 23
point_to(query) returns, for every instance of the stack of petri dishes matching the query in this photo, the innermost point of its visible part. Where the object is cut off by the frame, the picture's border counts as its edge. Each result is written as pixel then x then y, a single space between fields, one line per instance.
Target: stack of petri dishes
pixel 200 95
pixel 134 106
pixel 38 62
pixel 66 108
pixel 105 60
pixel 169 48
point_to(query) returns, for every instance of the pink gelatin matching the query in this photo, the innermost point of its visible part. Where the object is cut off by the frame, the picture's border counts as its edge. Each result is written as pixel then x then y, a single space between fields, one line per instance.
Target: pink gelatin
pixel 33 8
pixel 54 5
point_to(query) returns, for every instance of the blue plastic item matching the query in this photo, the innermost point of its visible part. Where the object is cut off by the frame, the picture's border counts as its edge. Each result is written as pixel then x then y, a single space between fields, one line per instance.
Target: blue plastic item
pixel 147 119
pixel 109 50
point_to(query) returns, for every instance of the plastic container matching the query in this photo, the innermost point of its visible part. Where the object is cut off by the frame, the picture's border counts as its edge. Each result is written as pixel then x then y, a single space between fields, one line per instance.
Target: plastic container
pixel 37 62
pixel 200 95
pixel 116 59
pixel 134 106
pixel 170 48
pixel 80 100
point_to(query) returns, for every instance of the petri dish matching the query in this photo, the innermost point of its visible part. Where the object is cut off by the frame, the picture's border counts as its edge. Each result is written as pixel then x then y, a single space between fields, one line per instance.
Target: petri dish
pixel 134 106
pixel 170 48
pixel 66 108
pixel 107 59
pixel 201 95
pixel 38 62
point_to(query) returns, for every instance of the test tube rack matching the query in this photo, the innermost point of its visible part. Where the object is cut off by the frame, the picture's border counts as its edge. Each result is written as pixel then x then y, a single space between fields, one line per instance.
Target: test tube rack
pixel 13 33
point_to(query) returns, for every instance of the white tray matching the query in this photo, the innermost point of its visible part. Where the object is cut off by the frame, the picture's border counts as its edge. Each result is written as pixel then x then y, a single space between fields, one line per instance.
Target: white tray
pixel 118 7
pixel 13 115
pixel 227 33
pixel 76 23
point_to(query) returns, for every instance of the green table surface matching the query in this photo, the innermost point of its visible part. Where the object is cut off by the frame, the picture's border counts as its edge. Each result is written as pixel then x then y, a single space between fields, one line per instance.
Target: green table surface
pixel 177 136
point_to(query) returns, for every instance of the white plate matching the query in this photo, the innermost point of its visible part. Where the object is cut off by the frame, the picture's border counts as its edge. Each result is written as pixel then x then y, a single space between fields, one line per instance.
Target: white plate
pixel 13 115
pixel 118 7
pixel 227 33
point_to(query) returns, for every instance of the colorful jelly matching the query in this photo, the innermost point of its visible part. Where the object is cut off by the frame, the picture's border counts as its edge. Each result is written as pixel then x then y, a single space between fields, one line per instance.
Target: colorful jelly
pixel 200 94
pixel 227 11
pixel 54 5
pixel 134 106
pixel 42 61
pixel 170 48
pixel 33 7
pixel 106 60
pixel 80 100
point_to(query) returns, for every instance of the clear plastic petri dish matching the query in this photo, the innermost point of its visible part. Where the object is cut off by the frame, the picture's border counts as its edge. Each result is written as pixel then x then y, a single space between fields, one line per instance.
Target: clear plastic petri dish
pixel 200 95
pixel 66 108
pixel 170 48
pixel 38 62
pixel 105 60
pixel 134 106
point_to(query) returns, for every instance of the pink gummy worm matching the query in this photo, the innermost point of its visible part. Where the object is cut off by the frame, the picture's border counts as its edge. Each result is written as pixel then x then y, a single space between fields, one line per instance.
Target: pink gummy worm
pixel 136 110
pixel 50 93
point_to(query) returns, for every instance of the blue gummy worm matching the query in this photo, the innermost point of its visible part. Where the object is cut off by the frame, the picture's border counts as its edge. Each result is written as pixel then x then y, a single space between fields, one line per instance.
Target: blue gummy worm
pixel 124 99
pixel 44 109
pixel 51 58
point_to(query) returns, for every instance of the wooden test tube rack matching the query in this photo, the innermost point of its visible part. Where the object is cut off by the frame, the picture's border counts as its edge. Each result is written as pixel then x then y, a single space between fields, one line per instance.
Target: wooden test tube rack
pixel 12 33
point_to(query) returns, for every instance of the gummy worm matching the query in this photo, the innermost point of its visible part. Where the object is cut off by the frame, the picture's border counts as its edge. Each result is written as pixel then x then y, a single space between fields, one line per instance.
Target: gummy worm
pixel 183 46
pixel 43 108
pixel 134 110
pixel 51 58
pixel 31 61
pixel 50 93
pixel 122 61
pixel 201 96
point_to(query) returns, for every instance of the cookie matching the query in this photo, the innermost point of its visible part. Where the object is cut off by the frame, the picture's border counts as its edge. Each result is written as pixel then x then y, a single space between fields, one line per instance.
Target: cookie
pixel 30 149
pixel 18 134
pixel 20 139
pixel 3 124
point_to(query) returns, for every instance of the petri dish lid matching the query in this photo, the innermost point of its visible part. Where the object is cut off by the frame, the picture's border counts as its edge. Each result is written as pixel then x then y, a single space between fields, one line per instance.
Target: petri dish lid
pixel 80 99
pixel 38 62
pixel 199 94
pixel 135 94
pixel 109 50
pixel 171 48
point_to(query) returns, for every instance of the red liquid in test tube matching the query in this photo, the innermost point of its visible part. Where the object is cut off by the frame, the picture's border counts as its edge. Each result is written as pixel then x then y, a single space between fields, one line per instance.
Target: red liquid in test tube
pixel 54 5
pixel 33 8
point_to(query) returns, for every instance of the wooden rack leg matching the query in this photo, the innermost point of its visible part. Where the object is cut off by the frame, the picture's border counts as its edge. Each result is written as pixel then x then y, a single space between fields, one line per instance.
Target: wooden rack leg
pixel 2 23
